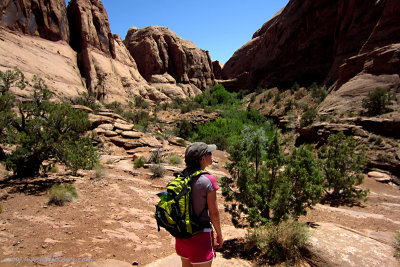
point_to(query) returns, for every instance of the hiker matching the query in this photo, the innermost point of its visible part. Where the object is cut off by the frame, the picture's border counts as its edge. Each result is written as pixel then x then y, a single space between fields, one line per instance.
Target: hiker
pixel 199 249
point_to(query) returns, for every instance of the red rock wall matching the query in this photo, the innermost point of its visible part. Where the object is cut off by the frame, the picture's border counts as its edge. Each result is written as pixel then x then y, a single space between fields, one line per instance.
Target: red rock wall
pixel 157 50
pixel 44 18
pixel 309 40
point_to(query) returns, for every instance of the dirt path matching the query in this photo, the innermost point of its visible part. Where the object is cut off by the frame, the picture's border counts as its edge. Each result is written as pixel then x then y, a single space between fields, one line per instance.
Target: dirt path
pixel 112 219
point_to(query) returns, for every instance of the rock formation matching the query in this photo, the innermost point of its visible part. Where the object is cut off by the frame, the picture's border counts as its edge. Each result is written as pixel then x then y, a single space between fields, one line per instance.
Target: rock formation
pixel 320 41
pixel 46 19
pixel 217 69
pixel 88 57
pixel 157 50
pixel 88 21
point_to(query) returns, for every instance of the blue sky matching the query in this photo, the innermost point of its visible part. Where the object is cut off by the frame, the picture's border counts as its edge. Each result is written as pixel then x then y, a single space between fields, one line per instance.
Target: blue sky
pixel 219 26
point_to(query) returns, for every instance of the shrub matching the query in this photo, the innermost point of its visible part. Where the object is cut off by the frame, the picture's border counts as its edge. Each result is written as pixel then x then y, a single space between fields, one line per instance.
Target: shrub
pixel 282 242
pixel 397 244
pixel 99 171
pixel 343 164
pixel 86 99
pixel 184 129
pixel 269 96
pixel 182 142
pixel 158 170
pixel 42 130
pixel 289 104
pixel 139 163
pixel 60 194
pixel 295 87
pixel 174 159
pixel 140 102
pixel 53 169
pixel 261 189
pixel 377 102
pixel 1 208
pixel 156 156
pixel 115 106
pixel 318 92
pixel 308 117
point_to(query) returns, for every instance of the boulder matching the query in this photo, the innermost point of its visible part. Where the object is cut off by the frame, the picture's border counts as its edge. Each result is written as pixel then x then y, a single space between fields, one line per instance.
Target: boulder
pixel 110 133
pixel 123 126
pixel 158 50
pixel 131 134
pixel 380 177
pixel 107 127
pixel 125 143
pixel 44 18
pixel 98 120
pixel 335 245
pixel 148 140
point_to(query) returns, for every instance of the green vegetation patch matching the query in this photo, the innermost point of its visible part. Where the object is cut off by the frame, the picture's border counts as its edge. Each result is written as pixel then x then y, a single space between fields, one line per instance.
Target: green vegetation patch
pixel 60 194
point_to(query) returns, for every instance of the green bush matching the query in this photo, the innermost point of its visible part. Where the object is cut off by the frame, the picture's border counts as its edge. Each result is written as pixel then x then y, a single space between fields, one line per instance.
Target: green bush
pixel 184 129
pixel 308 117
pixel 174 159
pixel 319 93
pixel 42 129
pixel 377 102
pixel 158 170
pixel 140 102
pixel 279 243
pixel 156 156
pixel 1 208
pixel 86 99
pixel 116 107
pixel 60 194
pixel 182 142
pixel 397 244
pixel 343 164
pixel 139 163
pixel 295 87
pixel 228 127
pixel 217 96
pixel 266 186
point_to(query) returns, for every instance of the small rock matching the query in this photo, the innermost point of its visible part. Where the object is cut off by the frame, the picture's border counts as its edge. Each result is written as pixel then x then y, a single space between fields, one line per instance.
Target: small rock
pixel 131 134
pixel 125 127
pixel 110 133
pixel 380 177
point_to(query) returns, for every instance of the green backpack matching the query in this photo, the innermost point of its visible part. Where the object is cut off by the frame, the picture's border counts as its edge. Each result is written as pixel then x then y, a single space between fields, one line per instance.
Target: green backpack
pixel 174 210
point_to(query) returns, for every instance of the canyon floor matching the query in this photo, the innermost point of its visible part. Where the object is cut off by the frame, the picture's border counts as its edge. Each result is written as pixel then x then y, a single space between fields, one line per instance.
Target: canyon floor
pixel 112 217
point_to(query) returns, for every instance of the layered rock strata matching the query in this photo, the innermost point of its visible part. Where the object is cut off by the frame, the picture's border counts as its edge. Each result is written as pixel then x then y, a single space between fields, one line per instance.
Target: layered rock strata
pixel 158 50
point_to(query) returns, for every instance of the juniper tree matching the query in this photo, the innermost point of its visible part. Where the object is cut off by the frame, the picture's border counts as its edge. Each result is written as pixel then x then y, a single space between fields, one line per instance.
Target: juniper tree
pixel 263 188
pixel 39 129
pixel 342 166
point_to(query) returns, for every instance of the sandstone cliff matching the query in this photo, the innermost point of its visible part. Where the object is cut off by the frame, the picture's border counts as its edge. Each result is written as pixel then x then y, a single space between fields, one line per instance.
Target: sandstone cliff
pixel 73 50
pixel 157 50
pixel 46 19
pixel 325 42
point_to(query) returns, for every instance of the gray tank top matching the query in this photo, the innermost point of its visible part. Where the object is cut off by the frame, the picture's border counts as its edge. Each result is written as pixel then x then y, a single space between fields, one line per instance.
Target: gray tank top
pixel 200 187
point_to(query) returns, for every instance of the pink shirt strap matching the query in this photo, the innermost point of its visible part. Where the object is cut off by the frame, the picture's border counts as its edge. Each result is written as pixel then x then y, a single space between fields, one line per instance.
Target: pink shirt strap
pixel 213 181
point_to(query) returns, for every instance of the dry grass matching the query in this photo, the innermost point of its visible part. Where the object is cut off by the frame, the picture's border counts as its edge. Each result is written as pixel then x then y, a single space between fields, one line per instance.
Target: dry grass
pixel 279 243
pixel 60 194
pixel 397 244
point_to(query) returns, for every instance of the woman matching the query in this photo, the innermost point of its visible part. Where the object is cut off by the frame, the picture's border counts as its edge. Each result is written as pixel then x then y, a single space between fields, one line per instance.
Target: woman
pixel 199 249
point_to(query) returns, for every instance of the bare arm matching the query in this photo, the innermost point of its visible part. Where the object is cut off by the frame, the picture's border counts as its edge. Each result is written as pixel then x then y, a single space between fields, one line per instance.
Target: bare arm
pixel 214 216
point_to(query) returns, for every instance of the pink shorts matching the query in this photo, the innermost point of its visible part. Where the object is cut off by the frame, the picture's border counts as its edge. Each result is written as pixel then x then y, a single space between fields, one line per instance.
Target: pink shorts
pixel 198 248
